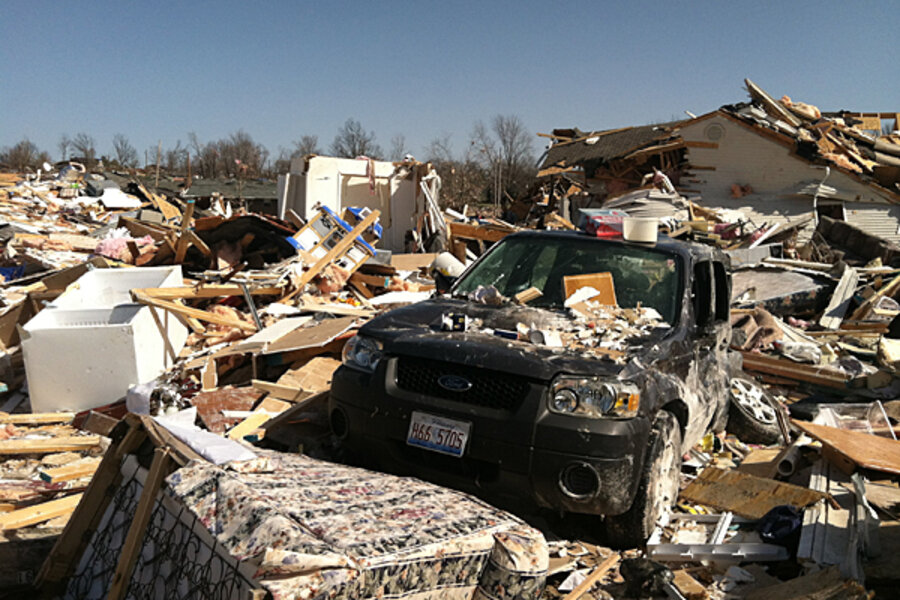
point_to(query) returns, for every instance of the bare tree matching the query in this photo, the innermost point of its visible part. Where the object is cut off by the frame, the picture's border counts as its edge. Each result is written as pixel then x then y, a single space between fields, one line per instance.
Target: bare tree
pixel 175 159
pixel 125 152
pixel 63 146
pixel 241 155
pixel 507 147
pixel 463 180
pixel 398 147
pixel 307 144
pixel 84 147
pixel 352 141
pixel 23 156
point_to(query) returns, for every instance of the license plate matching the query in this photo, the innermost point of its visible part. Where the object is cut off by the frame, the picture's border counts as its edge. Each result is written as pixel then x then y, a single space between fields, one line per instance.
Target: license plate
pixel 438 434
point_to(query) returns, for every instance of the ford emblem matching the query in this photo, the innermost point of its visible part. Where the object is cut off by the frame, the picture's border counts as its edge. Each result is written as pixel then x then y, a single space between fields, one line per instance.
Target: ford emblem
pixel 454 383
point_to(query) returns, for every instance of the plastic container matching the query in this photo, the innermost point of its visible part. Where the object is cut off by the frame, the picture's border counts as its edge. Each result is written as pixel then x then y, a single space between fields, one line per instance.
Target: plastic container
pixel 640 229
pixel 102 288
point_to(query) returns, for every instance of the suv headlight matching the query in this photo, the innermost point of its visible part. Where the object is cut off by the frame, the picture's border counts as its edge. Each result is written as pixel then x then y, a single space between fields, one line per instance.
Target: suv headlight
pixel 593 397
pixel 362 353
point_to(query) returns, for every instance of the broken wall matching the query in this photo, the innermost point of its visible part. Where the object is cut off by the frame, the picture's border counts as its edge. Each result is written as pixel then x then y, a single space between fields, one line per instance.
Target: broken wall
pixel 724 152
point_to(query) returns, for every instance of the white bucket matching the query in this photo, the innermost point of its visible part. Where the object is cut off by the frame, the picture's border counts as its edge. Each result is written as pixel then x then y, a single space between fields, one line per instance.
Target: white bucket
pixel 640 229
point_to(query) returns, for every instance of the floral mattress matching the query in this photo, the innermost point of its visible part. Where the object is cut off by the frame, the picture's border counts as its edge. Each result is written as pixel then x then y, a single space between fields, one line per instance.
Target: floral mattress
pixel 314 529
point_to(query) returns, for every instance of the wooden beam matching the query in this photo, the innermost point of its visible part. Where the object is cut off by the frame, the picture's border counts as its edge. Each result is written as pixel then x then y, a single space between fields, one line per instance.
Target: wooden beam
pixel 193 313
pixel 280 392
pixel 183 241
pixel 248 425
pixel 39 512
pixel 476 232
pixel 37 418
pixel 69 472
pixel 206 291
pixel 47 445
pixel 128 555
pixel 602 569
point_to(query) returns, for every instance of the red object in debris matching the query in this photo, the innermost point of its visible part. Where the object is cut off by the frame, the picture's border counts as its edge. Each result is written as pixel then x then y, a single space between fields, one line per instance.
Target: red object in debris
pixel 605 225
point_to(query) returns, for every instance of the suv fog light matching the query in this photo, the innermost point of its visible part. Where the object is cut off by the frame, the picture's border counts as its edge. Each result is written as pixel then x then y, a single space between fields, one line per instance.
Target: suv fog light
pixel 564 401
pixel 579 481
pixel 339 424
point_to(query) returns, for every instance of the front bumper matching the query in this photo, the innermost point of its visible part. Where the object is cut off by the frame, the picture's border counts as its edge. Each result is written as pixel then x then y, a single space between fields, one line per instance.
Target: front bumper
pixel 512 456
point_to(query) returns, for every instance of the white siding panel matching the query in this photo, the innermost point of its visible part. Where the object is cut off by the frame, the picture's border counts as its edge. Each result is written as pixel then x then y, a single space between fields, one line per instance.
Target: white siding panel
pixel 744 157
pixel 877 219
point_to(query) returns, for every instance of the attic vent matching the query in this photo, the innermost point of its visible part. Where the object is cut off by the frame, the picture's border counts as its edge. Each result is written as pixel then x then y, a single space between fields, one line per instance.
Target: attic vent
pixel 714 132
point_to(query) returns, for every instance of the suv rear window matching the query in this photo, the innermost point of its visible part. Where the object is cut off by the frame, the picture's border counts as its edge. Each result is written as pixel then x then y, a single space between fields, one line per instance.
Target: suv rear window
pixel 643 275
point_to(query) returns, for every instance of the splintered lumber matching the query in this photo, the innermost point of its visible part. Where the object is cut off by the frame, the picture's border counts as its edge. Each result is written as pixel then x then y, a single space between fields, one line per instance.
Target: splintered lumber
pixel 206 291
pixel 865 308
pixel 248 425
pixel 47 445
pixel 313 376
pixel 281 392
pixel 850 449
pixel 69 472
pixel 193 313
pixel 789 369
pixel 39 512
pixel 746 495
pixel 840 300
pixel 477 232
pixel 36 418
pixel 183 240
pixel 596 575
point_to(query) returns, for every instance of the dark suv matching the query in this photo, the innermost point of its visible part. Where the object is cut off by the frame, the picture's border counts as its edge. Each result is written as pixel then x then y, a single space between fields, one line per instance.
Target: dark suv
pixel 593 430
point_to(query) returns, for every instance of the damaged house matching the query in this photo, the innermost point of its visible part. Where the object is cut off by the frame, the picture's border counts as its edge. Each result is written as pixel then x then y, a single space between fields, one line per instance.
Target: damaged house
pixel 775 161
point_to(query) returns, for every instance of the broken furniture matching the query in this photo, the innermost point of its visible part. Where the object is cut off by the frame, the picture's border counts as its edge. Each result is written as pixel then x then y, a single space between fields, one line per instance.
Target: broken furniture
pixel 92 343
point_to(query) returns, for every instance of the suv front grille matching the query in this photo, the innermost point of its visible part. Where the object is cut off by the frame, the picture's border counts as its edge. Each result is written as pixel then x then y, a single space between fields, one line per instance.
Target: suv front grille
pixel 490 389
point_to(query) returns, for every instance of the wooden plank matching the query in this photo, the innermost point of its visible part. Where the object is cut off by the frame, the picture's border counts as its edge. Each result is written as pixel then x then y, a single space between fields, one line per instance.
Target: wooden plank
pixel 273 406
pixel 248 425
pixel 206 291
pixel 797 371
pixel 183 241
pixel 840 300
pixel 412 262
pixel 61 562
pixel 689 587
pixel 69 472
pixel 602 569
pixel 526 296
pixel 37 418
pixel 746 495
pixel 199 244
pixel 312 376
pixel 856 449
pixel 47 445
pixel 476 232
pixel 193 313
pixel 128 555
pixel 39 512
pixel 280 392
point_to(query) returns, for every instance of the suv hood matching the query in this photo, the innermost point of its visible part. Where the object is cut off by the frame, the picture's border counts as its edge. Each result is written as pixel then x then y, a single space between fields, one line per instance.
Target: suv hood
pixel 415 330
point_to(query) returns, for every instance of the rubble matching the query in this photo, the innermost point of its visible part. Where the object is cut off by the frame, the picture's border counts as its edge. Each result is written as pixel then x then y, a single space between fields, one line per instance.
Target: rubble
pixel 247 327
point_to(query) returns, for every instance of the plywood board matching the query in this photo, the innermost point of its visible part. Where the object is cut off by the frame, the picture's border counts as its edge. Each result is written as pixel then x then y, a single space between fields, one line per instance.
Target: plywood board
pixel 602 282
pixel 312 376
pixel 861 449
pixel 412 262
pixel 311 337
pixel 745 495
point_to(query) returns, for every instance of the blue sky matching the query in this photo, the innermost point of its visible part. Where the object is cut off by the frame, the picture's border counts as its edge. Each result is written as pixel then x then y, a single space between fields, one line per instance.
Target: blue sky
pixel 280 70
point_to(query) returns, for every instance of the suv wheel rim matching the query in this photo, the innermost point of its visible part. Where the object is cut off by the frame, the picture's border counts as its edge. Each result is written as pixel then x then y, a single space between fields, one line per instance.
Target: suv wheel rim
pixel 751 399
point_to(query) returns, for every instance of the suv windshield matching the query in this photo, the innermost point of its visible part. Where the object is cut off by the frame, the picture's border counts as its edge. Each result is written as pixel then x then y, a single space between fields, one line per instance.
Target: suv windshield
pixel 640 275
